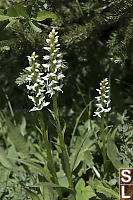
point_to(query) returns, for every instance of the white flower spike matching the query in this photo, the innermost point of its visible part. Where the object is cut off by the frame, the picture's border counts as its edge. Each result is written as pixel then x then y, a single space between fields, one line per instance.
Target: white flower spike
pixel 103 100
pixel 45 80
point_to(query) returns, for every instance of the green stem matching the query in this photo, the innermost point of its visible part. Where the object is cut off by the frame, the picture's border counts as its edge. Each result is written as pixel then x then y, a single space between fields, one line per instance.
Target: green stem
pixel 51 165
pixel 103 141
pixel 62 144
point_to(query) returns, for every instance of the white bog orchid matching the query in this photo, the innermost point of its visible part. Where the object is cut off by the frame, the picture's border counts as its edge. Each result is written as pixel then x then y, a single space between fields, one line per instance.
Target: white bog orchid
pixel 44 81
pixel 103 99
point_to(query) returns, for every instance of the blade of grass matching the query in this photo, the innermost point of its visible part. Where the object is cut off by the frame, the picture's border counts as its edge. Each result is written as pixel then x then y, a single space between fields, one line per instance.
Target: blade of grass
pixel 77 121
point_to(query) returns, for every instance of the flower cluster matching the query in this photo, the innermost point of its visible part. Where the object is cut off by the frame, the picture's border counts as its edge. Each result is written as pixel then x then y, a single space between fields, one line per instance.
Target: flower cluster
pixel 53 65
pixel 35 83
pixel 43 81
pixel 103 99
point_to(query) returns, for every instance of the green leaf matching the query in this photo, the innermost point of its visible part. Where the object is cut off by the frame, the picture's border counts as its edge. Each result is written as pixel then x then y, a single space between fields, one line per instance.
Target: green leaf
pixel 38 168
pixel 42 15
pixel 4 160
pixel 113 153
pixel 12 12
pixel 1 11
pixel 34 27
pixel 108 192
pixel 4 17
pixel 48 193
pixel 33 195
pixel 50 185
pixel 83 192
pixel 62 179
pixel 77 120
pixel 88 193
pixel 17 11
pixel 88 159
pixel 18 140
pixel 71 197
pixel 78 155
pixel 80 184
pixel 23 126
pixel 21 11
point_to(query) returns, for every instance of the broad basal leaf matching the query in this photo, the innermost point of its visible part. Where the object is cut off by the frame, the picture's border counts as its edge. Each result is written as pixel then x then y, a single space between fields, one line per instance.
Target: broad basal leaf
pixel 18 140
pixel 113 153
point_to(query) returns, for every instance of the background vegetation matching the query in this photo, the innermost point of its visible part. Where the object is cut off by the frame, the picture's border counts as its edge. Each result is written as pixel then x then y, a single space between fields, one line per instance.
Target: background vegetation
pixel 96 41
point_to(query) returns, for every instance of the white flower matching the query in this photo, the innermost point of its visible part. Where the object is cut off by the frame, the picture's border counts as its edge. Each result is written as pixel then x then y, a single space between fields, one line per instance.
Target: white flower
pixel 97 114
pixel 54 61
pixel 98 91
pixel 45 80
pixel 28 69
pixel 46 57
pixel 52 83
pixel 46 48
pixel 98 98
pixel 48 41
pixel 60 76
pixel 46 66
pixel 58 88
pixel 103 100
pixel 32 98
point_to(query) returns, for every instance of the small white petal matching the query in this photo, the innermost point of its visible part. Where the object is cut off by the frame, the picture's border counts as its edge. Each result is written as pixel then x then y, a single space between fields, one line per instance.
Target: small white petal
pixel 46 48
pixel 108 103
pixel 58 88
pixel 48 41
pixel 106 97
pixel 54 61
pixel 99 106
pixel 33 109
pixel 40 92
pixel 97 114
pixel 98 98
pixel 56 50
pixel 32 98
pixel 28 87
pixel 44 104
pixel 52 83
pixel 60 76
pixel 98 91
pixel 107 110
pixel 46 57
pixel 59 61
pixel 28 69
pixel 52 74
pixel 58 55
pixel 41 99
